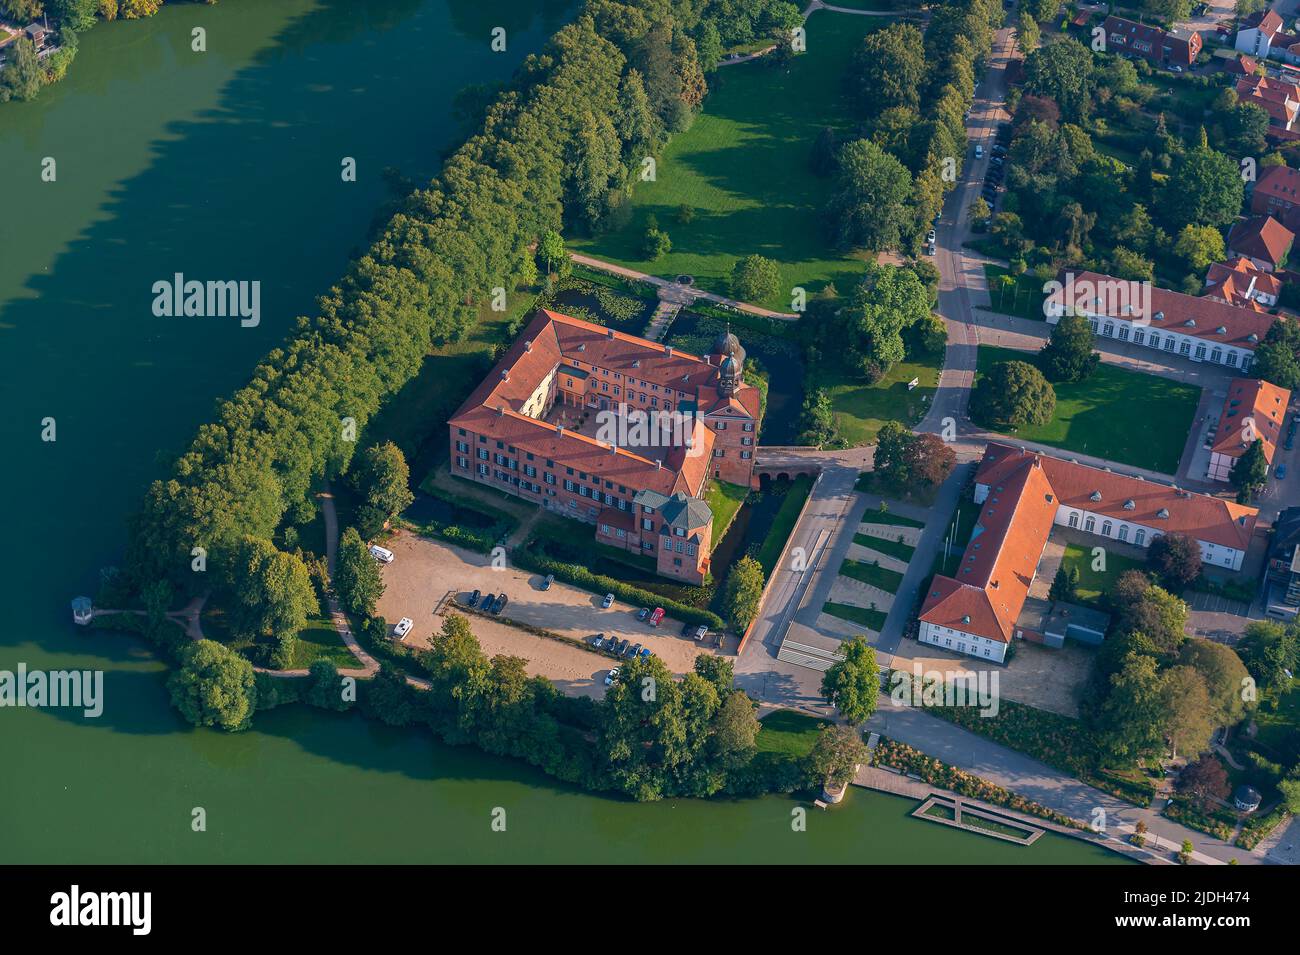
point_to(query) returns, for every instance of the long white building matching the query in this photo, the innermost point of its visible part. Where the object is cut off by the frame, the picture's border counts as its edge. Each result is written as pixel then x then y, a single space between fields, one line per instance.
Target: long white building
pixel 1022 494
pixel 1199 329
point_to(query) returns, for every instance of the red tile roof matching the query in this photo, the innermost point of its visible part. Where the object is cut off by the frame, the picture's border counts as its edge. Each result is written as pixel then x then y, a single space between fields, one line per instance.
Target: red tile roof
pixel 1261 237
pixel 1167 310
pixel 1266 21
pixel 1231 281
pixel 1276 97
pixel 1025 490
pixel 1279 182
pixel 1253 410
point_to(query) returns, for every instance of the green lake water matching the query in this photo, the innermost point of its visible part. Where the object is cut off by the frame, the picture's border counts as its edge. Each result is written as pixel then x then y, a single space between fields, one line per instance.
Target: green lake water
pixel 225 165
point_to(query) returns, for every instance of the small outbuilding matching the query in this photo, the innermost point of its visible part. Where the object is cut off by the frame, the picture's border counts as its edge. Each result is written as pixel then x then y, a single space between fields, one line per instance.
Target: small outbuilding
pixel 1246 798
pixel 82 612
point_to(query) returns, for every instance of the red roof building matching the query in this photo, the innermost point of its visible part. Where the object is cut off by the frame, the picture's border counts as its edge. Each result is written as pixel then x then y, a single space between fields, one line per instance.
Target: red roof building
pixel 614 430
pixel 1177 48
pixel 1278 98
pixel 1263 240
pixel 1277 194
pixel 1021 495
pixel 1253 411
pixel 1239 282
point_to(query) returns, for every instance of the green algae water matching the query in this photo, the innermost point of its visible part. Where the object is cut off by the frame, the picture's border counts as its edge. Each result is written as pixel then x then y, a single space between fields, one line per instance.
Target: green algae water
pixel 226 165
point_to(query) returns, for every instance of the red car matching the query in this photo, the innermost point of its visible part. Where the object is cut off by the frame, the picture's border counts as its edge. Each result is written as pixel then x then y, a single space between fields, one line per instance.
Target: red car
pixel 656 616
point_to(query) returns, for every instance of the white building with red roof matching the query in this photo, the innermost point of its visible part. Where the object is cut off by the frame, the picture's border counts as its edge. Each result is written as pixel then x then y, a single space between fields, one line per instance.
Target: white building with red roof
pixel 1253 411
pixel 1022 494
pixel 1200 329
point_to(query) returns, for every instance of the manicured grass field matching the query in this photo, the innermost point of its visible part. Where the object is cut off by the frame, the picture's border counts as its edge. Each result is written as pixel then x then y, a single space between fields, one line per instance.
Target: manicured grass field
pixel 724 501
pixel 886 580
pixel 743 168
pixel 1123 416
pixel 1094 583
pixel 876 516
pixel 788 733
pixel 1023 300
pixel 861 409
pixel 871 619
pixel 893 548
pixel 320 641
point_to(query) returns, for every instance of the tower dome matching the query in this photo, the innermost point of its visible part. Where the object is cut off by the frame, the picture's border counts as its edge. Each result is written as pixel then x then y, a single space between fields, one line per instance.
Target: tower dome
pixel 731 363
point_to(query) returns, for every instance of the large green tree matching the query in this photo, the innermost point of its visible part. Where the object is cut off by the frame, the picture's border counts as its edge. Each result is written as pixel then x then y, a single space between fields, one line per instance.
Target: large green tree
pixel 1249 472
pixel 1068 354
pixel 888 70
pixel 852 683
pixel 1175 559
pixel 869 199
pixel 272 591
pixel 357 579
pixel 1205 188
pixel 1013 394
pixel 383 480
pixel 835 755
pixel 743 592
pixel 214 686
pixel 1063 71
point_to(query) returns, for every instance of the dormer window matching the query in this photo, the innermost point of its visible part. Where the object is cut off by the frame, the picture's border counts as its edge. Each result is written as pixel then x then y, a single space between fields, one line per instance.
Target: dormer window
pixel 1163 513
pixel 1252 337
pixel 1221 330
pixel 1190 323
pixel 1159 316
pixel 1130 505
pixel 1095 496
pixel 965 619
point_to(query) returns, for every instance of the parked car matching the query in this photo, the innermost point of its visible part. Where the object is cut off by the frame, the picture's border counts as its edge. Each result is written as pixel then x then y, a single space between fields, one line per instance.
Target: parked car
pixel 403 628
pixel 500 605
pixel 979 151
pixel 473 599
pixel 633 650
pixel 646 653
pixel 930 237
pixel 931 249
pixel 643 613
pixel 620 646
pixel 999 150
pixel 1281 471
pixel 701 632
pixel 486 606
pixel 657 616
pixel 611 676
pixel 1175 68
pixel 546 584
pixel 381 554
pixel 687 629
pixel 608 601
pixel 598 641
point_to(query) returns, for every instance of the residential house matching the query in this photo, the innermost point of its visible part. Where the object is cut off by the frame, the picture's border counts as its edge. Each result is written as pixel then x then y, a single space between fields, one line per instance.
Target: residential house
pixel 1256 34
pixel 1278 98
pixel 1253 411
pixel 1277 194
pixel 1178 47
pixel 1022 495
pixel 1238 282
pixel 1262 240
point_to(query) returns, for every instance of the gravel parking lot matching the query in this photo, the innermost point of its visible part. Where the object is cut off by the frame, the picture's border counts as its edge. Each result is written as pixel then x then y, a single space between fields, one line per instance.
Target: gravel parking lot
pixel 424 570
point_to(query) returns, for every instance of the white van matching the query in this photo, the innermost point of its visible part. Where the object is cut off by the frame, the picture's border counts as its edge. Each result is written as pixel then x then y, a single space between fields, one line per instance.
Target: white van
pixel 381 554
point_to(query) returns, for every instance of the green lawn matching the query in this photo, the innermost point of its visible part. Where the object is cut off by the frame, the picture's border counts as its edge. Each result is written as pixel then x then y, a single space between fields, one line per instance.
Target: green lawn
pixel 743 168
pixel 788 733
pixel 1094 583
pixel 1123 416
pixel 876 516
pixel 1023 300
pixel 871 619
pixel 320 641
pixel 959 528
pixel 893 548
pixel 886 580
pixel 861 409
pixel 724 501
pixel 1278 728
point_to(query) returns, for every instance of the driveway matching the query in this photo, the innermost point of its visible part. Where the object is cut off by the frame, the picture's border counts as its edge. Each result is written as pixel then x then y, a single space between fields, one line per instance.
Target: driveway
pixel 424 570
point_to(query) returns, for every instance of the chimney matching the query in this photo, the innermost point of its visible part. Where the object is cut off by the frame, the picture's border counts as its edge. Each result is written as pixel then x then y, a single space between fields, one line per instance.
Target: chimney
pixel 613 449
pixel 994 585
pixel 611 334
pixel 501 411
pixel 1250 289
pixel 559 430
pixel 659 464
pixel 668 350
pixel 528 346
pixel 505 374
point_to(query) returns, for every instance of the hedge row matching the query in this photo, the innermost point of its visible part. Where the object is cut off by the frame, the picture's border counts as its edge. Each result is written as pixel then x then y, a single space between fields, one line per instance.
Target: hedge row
pixel 598 583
